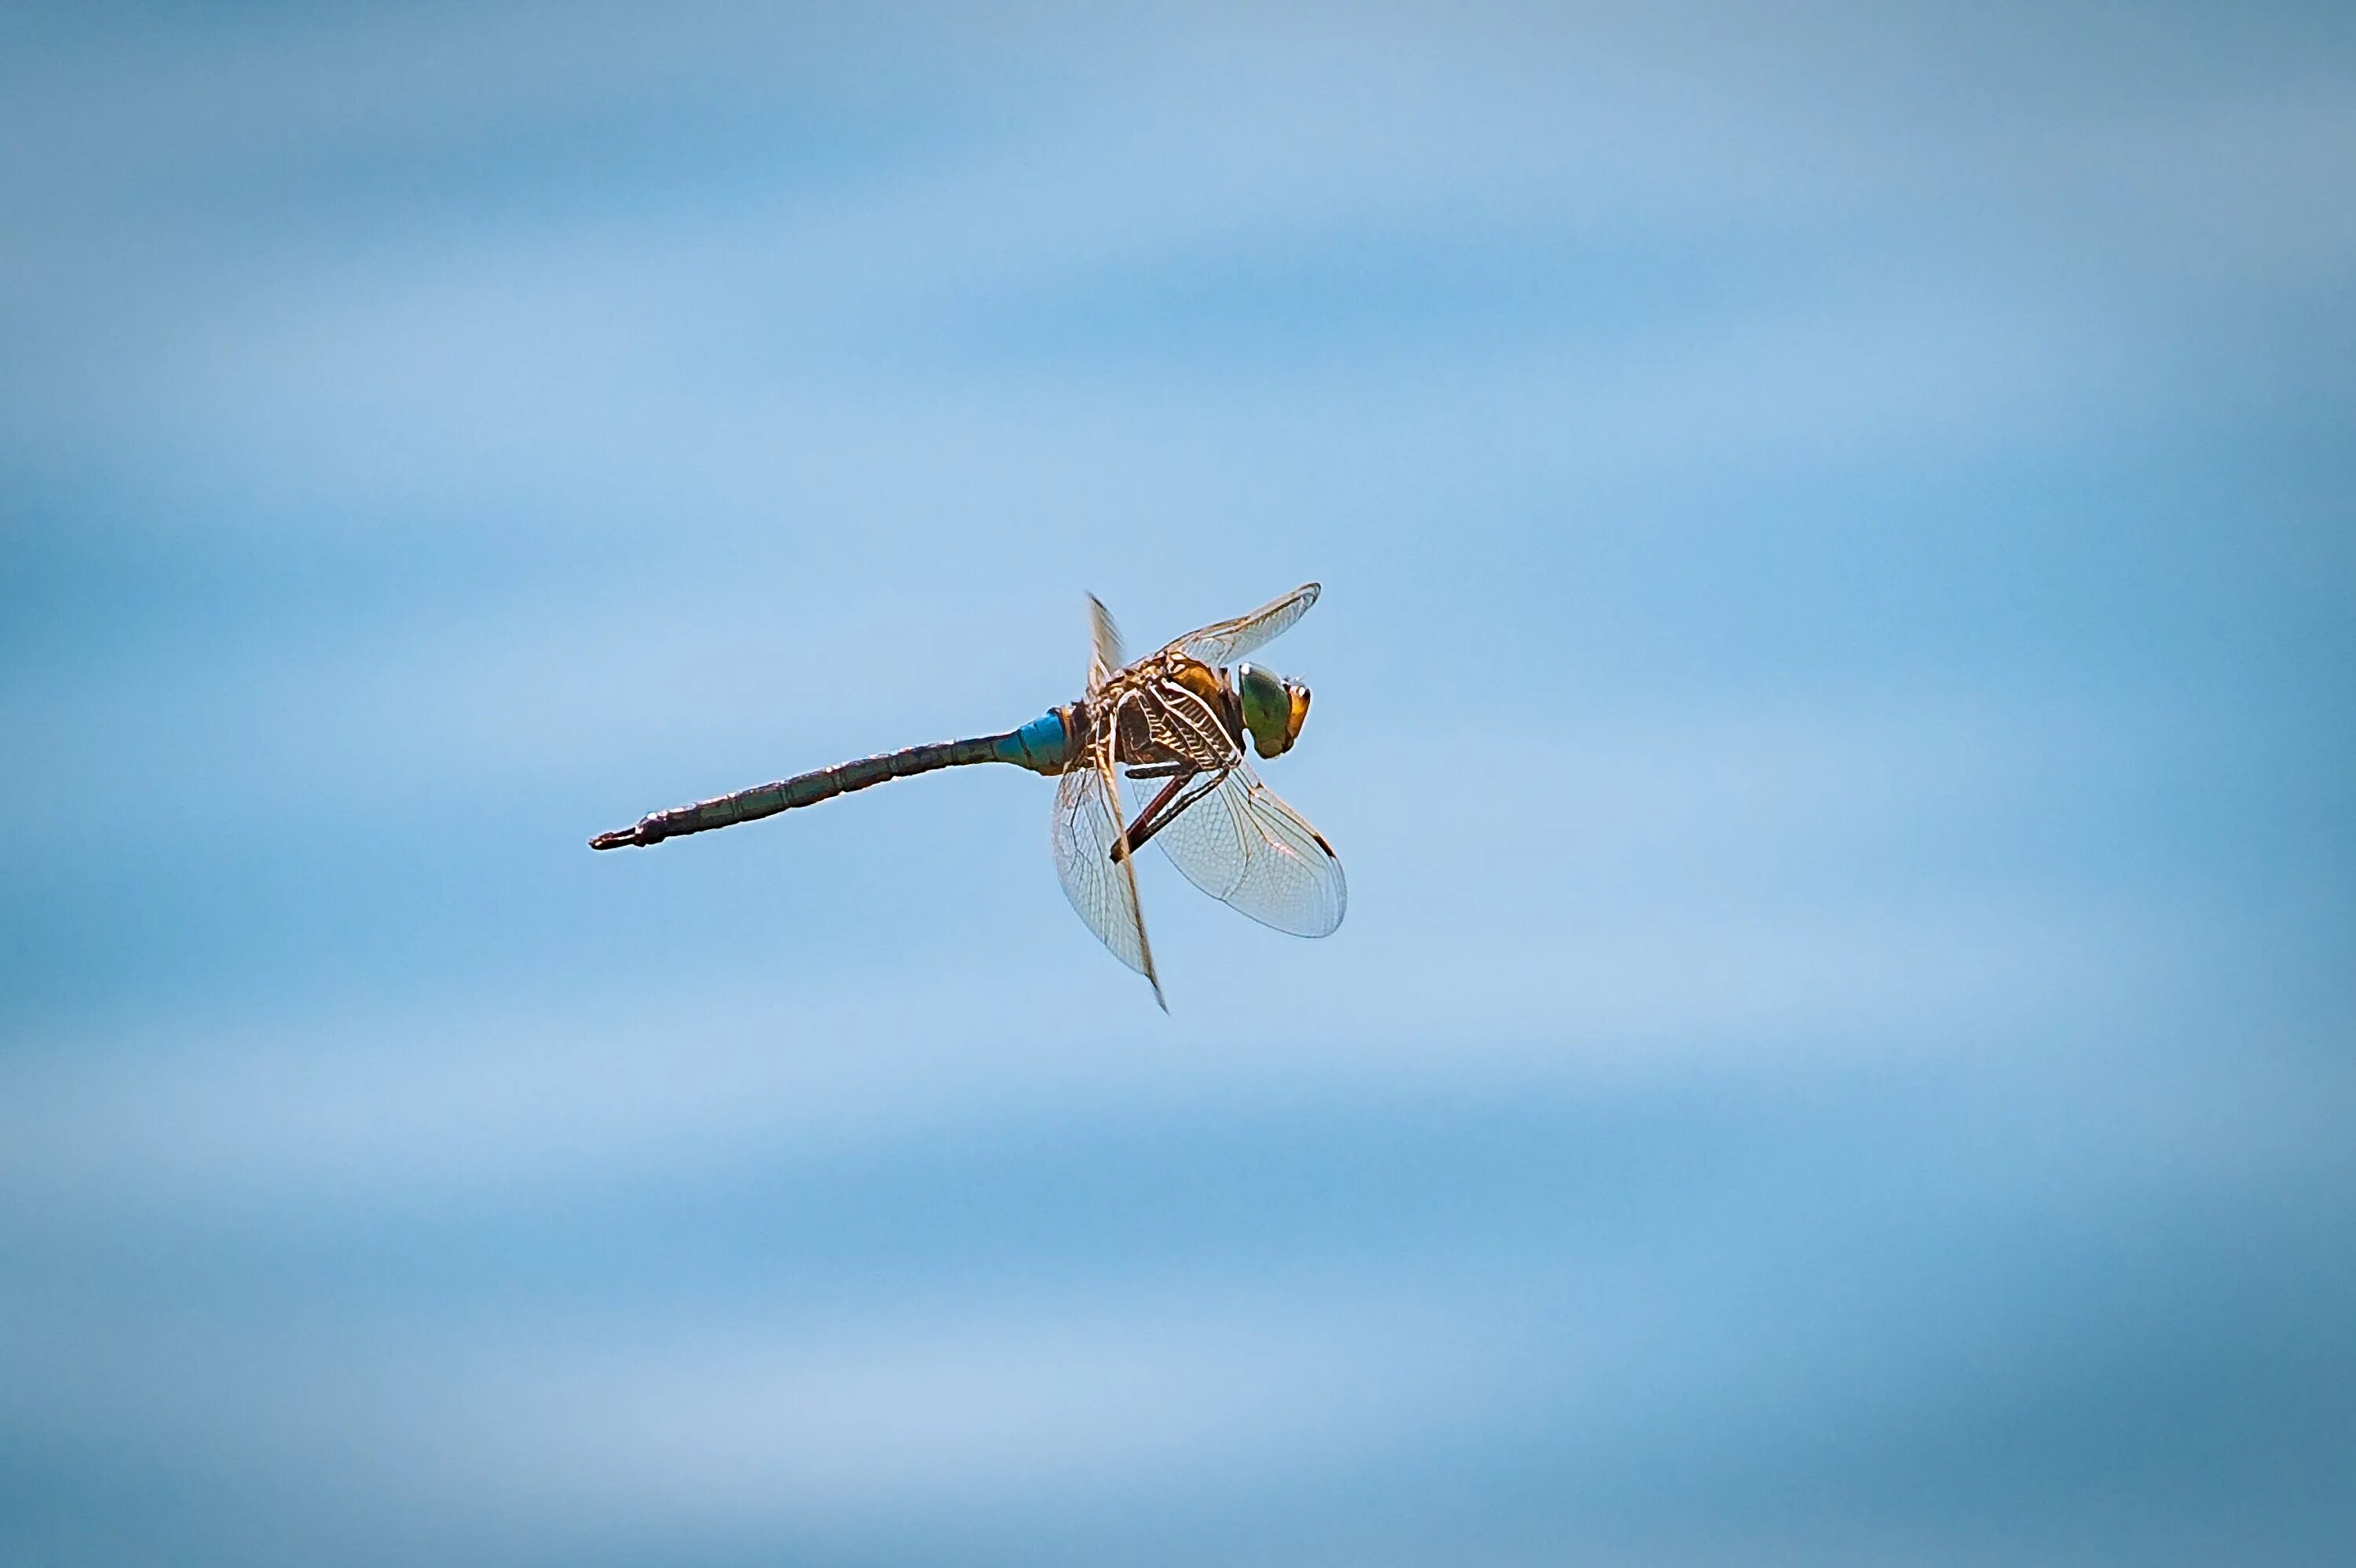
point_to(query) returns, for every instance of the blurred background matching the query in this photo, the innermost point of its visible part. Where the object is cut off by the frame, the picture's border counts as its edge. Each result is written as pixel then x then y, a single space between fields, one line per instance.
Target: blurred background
pixel 1835 690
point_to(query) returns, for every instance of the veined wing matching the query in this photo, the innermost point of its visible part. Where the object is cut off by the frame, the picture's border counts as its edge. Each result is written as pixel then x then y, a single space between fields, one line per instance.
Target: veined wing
pixel 1223 642
pixel 1105 643
pixel 1242 845
pixel 1103 890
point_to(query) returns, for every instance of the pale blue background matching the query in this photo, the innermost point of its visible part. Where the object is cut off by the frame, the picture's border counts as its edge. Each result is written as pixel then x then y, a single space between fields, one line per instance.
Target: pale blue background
pixel 1836 690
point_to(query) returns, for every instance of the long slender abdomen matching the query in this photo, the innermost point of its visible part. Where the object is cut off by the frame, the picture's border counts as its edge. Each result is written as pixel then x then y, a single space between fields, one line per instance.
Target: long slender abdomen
pixel 1037 745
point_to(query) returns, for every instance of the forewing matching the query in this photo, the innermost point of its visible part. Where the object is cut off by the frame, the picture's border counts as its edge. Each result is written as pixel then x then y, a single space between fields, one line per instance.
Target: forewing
pixel 1102 889
pixel 1223 642
pixel 1245 846
pixel 1105 637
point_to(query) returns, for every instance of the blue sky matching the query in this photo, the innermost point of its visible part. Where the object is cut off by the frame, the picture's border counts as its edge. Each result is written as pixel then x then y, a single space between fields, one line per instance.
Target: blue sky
pixel 1834 690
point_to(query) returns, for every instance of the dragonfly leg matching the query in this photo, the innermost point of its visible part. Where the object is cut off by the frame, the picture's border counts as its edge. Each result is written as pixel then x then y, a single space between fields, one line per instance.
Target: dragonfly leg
pixel 1166 808
pixel 1138 832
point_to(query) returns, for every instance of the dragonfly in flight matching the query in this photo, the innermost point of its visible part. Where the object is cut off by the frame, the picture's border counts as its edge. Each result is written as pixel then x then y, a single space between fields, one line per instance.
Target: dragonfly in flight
pixel 1153 752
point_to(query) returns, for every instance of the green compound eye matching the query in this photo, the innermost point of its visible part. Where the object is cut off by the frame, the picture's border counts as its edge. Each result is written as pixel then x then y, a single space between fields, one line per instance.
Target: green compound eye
pixel 1274 709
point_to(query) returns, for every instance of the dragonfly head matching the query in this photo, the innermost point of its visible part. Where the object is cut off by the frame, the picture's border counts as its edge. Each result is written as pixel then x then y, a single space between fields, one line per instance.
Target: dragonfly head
pixel 1274 709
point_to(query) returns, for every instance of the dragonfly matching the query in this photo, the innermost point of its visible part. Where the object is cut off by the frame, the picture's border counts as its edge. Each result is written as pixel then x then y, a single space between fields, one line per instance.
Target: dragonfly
pixel 1153 752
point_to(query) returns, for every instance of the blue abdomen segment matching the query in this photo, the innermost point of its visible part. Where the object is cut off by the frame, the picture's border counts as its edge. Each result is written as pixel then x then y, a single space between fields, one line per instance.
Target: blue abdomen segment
pixel 1040 745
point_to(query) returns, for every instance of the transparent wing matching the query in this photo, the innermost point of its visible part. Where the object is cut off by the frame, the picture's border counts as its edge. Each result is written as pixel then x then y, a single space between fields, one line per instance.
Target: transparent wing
pixel 1102 889
pixel 1223 642
pixel 1105 635
pixel 1242 845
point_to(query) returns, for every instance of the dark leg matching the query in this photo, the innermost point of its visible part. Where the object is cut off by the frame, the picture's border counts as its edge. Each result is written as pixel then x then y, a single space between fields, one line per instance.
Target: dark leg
pixel 1138 831
pixel 1160 813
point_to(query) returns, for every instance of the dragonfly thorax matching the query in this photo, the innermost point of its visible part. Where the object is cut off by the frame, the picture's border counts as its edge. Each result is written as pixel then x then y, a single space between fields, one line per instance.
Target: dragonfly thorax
pixel 1169 711
pixel 1172 713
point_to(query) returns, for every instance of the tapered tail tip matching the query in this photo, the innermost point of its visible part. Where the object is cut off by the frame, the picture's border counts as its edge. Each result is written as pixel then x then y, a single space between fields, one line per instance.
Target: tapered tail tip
pixel 614 841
